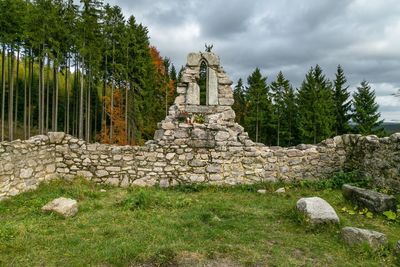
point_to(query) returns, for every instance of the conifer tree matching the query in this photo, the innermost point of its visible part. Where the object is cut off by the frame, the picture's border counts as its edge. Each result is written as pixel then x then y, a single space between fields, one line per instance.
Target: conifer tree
pixel 283 110
pixel 239 106
pixel 258 120
pixel 365 111
pixel 316 107
pixel 342 103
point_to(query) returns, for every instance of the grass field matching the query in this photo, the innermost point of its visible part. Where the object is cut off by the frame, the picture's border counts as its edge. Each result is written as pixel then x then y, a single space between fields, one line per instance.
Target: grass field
pixel 184 226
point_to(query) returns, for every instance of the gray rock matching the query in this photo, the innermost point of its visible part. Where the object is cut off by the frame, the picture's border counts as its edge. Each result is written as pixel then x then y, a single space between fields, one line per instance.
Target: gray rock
pixel 66 207
pixel 280 190
pixel 222 136
pixel 317 210
pixel 101 173
pixel 355 236
pixel 397 248
pixel 374 201
pixel 168 126
pixel 197 163
pixel 199 134
pixel 261 191
pixel 56 137
pixel 26 173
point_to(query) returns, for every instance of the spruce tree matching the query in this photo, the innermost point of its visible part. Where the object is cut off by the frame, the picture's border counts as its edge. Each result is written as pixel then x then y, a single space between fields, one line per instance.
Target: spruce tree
pixel 342 103
pixel 239 106
pixel 284 110
pixel 258 119
pixel 289 118
pixel 365 111
pixel 278 88
pixel 316 107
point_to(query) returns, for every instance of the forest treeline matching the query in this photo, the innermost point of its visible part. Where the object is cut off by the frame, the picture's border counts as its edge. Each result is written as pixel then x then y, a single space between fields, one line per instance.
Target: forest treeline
pixel 83 69
pixel 278 114
pixel 86 70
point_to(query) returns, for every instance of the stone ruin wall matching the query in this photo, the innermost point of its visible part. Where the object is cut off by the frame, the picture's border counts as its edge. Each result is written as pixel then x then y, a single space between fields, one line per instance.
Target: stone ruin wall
pixel 216 151
pixel 25 164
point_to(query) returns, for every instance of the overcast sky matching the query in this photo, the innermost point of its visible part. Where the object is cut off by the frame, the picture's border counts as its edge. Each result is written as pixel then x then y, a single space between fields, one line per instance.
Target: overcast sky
pixel 289 35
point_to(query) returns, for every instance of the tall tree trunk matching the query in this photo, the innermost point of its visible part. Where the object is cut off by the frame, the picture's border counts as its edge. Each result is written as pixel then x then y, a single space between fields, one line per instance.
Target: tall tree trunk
pixel 55 108
pixel 11 98
pixel 48 95
pixel 16 94
pixel 67 89
pixel 39 94
pixel 88 108
pixel 3 95
pixel 25 94
pixel 112 95
pixel 103 103
pixel 81 102
pixel 43 90
pixel 30 92
pixel 126 95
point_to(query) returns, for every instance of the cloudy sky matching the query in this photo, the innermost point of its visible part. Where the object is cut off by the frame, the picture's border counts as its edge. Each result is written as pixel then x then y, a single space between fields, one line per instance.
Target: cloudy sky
pixel 361 35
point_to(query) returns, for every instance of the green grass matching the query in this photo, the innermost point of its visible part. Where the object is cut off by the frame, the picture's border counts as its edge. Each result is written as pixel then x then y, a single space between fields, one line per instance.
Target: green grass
pixel 165 227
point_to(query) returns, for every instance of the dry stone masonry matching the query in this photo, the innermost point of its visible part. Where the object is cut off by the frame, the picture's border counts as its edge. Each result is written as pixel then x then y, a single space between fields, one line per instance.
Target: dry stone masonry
pixel 193 144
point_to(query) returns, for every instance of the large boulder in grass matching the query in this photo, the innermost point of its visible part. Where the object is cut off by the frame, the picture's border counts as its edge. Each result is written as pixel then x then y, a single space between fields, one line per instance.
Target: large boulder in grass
pixel 374 201
pixel 66 207
pixel 317 210
pixel 356 236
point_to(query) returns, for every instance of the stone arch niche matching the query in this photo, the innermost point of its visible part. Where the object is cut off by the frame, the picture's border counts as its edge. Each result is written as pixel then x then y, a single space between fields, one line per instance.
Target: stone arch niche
pixel 217 126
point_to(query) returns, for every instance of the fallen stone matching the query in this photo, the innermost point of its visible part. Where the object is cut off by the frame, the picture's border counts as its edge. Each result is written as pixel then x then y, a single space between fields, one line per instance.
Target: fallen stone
pixel 262 191
pixel 280 190
pixel 103 190
pixel 66 207
pixel 355 236
pixel 317 210
pixel 374 201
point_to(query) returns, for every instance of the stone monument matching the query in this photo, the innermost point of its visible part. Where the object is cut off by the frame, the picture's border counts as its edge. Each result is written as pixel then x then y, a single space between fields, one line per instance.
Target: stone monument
pixel 210 124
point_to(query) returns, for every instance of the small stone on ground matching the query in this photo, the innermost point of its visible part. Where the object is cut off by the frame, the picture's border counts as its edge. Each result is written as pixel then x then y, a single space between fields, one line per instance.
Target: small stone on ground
pixel 66 207
pixel 280 190
pixel 261 191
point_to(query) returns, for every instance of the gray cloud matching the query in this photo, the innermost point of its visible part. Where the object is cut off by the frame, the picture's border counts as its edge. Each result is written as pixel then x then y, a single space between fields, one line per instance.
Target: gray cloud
pixel 287 35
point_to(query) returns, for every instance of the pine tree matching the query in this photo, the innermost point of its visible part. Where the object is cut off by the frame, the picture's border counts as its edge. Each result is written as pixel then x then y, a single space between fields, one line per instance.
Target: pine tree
pixel 342 103
pixel 365 111
pixel 316 107
pixel 278 89
pixel 239 106
pixel 284 110
pixel 289 118
pixel 258 120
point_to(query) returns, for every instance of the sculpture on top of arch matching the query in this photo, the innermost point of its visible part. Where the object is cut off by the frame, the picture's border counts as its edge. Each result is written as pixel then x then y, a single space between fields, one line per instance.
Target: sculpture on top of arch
pixel 211 124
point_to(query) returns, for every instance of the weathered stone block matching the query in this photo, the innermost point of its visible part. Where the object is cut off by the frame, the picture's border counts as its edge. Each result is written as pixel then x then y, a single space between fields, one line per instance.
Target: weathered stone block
pixel 356 236
pixel 374 201
pixel 66 207
pixel 211 58
pixel 26 173
pixel 56 137
pixel 317 210
pixel 193 59
pixel 226 101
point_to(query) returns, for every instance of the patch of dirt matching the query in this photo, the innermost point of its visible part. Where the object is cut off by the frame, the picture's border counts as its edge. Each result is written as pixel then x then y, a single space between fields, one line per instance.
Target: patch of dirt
pixel 193 259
